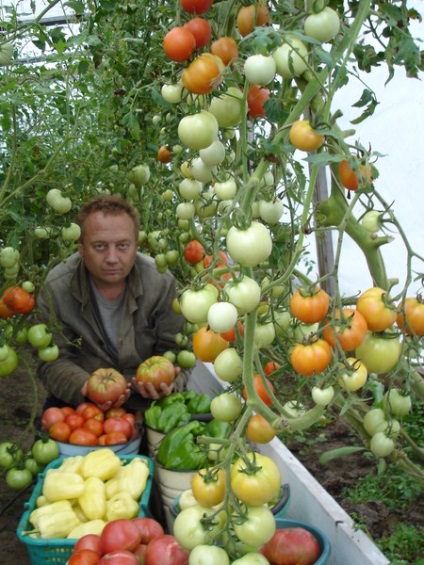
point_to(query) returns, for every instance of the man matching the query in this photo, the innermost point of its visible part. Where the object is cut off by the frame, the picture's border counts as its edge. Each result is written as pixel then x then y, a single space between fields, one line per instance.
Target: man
pixel 108 306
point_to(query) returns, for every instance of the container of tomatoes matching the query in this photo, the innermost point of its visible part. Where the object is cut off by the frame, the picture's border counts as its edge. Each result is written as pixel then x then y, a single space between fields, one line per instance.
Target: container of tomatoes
pixel 84 428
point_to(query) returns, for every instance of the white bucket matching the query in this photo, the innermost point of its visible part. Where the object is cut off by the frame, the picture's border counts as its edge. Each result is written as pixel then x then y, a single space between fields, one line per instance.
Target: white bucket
pixel 171 484
pixel 153 441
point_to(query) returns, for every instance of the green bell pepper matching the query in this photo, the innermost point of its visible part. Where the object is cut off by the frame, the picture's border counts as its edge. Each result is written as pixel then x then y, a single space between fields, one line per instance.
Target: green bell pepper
pixel 178 450
pixel 199 404
pixel 165 419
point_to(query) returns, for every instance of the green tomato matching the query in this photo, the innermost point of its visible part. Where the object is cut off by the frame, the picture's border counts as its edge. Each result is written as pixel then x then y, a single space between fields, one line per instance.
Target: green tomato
pixel 322 396
pixel 227 108
pixel 264 334
pixel 251 559
pixel 42 233
pixel 33 466
pixel 226 190
pixel 398 404
pixel 258 528
pixel 244 294
pixel 28 286
pixel 49 353
pixel 270 211
pixel 10 454
pixel 371 221
pixel 172 93
pixel 251 246
pixel 39 336
pixel 291 58
pixel 9 257
pixel 71 232
pixel 139 175
pixel 208 555
pixel 198 131
pixel 45 451
pixel 260 69
pixel 58 202
pixel 195 304
pixel 9 364
pixel 375 421
pixel 20 335
pixel 190 529
pixel 190 189
pixel 382 445
pixel 226 407
pixel 228 366
pixel 214 154
pixel 323 26
pixel 17 479
pixel 379 353
pixel 186 359
pixel 185 211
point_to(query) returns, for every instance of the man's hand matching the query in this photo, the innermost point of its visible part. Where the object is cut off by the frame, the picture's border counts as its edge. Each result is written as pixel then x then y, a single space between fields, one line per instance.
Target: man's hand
pixel 107 405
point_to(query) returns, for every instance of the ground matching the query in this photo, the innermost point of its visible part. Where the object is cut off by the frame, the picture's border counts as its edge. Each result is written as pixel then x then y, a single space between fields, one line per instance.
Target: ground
pixel 16 394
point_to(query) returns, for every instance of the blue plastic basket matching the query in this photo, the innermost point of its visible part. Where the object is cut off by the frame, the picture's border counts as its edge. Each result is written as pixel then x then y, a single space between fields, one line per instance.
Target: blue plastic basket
pixel 323 541
pixel 57 551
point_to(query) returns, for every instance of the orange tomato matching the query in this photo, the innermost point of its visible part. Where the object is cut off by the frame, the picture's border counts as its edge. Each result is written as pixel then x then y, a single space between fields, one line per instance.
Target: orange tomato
pixel 350 329
pixel 261 389
pixel 251 16
pixel 270 367
pixel 309 359
pixel 259 430
pixel 308 307
pixel 349 177
pixel 207 345
pixel 203 74
pixel 164 154
pixel 226 49
pixel 179 44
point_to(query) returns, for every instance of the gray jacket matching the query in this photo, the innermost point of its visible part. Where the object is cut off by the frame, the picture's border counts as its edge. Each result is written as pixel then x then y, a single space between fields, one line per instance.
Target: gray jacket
pixel 148 326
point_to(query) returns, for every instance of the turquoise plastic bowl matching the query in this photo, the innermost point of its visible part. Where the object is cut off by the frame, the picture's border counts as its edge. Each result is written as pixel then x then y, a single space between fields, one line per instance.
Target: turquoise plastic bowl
pixel 323 541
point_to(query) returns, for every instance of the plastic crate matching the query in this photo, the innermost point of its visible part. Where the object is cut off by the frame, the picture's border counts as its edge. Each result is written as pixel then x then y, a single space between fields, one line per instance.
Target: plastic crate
pixel 58 550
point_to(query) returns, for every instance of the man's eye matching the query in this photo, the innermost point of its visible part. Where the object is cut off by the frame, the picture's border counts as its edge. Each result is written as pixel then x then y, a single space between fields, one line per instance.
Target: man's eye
pixel 99 247
pixel 123 246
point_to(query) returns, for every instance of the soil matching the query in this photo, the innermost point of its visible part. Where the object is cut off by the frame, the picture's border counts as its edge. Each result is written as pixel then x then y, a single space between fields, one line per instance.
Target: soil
pixel 16 406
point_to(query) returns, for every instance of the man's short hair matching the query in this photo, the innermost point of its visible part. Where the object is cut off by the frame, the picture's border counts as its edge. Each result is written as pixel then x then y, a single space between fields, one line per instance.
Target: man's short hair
pixel 108 205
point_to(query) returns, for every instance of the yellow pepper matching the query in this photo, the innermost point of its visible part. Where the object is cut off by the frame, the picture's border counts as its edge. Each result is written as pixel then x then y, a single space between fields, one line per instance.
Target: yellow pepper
pixel 133 477
pixel 79 512
pixel 112 487
pixel 121 505
pixel 91 527
pixel 71 464
pixel 48 509
pixel 93 499
pixel 101 463
pixel 61 485
pixel 57 524
pixel 41 501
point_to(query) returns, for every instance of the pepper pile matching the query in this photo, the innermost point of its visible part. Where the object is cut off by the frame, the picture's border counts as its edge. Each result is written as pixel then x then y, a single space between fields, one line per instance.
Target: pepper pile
pixel 86 492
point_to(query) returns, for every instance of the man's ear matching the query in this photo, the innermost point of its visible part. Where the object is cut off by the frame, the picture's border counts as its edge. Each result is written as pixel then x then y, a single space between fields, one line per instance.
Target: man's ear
pixel 81 249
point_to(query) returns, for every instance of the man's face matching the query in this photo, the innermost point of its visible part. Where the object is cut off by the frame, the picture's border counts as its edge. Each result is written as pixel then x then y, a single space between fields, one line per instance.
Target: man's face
pixel 109 248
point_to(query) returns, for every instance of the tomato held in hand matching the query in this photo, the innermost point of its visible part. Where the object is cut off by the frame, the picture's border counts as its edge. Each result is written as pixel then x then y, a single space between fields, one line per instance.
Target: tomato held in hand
pixel 156 370
pixel 106 385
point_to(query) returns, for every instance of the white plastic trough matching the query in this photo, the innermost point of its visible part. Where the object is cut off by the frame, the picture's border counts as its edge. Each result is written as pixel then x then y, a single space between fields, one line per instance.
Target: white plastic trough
pixel 309 502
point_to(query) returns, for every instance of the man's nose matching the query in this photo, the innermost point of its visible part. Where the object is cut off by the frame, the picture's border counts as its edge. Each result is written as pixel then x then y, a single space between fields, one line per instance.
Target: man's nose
pixel 112 256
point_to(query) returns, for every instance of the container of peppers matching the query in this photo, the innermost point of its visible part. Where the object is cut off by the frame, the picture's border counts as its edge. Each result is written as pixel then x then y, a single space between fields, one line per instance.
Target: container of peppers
pixel 172 411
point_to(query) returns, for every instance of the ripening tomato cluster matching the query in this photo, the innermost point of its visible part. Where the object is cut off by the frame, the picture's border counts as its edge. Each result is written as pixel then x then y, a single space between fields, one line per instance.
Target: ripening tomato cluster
pixel 128 542
pixel 87 424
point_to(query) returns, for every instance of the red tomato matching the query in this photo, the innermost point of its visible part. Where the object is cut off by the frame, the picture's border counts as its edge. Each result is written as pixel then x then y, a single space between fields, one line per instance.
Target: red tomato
pixel 179 44
pixel 93 411
pixel 196 6
pixel 118 425
pixel 119 557
pixel 414 314
pixel 18 300
pixel 260 389
pixel 50 416
pixel 165 550
pixel 156 370
pixel 119 534
pixel 113 438
pixel 256 98
pixel 74 421
pixel 201 30
pixel 222 262
pixel 207 345
pixel 94 426
pixel 149 529
pixel 140 553
pixel 66 410
pixel 194 251
pixel 5 312
pixel 82 406
pixel 106 385
pixel 60 431
pixel 231 335
pixel 84 557
pixel 115 412
pixel 292 545
pixel 89 541
pixel 270 367
pixel 251 16
pixel 81 436
pixel 130 418
pixel 225 48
